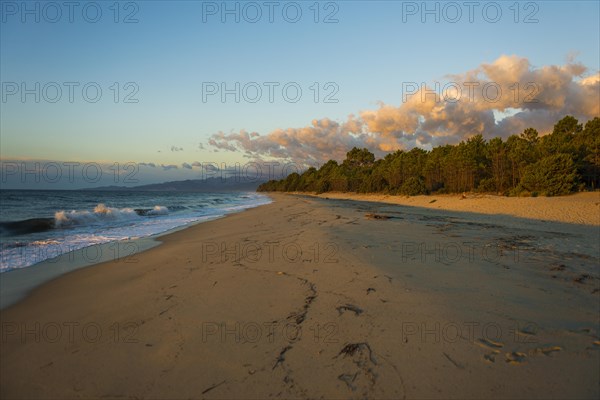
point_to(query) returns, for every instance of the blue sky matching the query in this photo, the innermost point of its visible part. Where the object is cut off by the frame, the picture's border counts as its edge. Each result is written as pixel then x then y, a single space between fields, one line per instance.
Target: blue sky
pixel 169 53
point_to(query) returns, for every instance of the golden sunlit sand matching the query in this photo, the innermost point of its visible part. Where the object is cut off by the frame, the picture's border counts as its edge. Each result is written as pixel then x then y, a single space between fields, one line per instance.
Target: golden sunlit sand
pixel 579 208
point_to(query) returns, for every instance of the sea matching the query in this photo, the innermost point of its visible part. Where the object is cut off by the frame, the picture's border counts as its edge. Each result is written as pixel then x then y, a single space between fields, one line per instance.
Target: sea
pixel 39 225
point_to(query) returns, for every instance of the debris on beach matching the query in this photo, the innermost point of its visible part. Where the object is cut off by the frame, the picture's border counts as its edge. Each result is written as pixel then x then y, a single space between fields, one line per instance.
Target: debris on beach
pixel 353 348
pixel 560 267
pixel 377 216
pixel 213 387
pixel 349 307
pixel 582 278
pixel 457 365
pixel 281 358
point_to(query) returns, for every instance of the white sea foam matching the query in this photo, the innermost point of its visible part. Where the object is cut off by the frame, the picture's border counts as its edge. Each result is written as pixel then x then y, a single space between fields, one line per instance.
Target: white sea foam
pixel 81 229
pixel 158 210
pixel 101 214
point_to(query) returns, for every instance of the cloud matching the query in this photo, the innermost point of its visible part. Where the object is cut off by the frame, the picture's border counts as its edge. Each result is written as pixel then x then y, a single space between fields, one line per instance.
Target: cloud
pixel 151 165
pixel 441 113
pixel 307 143
pixel 186 165
pixel 201 146
pixel 175 148
pixel 168 167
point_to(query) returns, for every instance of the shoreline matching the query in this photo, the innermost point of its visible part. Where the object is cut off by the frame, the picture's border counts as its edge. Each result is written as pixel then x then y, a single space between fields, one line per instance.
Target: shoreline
pixel 18 283
pixel 29 278
pixel 578 208
pixel 344 317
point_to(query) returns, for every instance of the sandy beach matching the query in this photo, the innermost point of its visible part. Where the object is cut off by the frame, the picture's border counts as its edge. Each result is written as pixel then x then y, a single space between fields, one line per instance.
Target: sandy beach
pixel 330 298
pixel 580 208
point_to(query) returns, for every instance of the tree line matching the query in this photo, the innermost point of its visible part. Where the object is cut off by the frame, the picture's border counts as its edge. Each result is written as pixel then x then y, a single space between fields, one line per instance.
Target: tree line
pixel 562 162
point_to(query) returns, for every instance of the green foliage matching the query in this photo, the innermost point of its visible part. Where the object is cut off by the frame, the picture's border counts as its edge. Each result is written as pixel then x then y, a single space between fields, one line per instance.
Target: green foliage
pixel 413 186
pixel 530 135
pixel 291 182
pixel 322 186
pixel 553 175
pixel 359 157
pixel 566 160
pixel 487 185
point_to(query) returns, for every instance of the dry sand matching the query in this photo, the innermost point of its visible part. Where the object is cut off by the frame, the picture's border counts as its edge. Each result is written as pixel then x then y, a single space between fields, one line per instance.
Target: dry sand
pixel 425 304
pixel 580 208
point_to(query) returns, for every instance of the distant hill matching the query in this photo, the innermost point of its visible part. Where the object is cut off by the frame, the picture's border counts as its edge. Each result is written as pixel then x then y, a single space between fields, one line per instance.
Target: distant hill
pixel 190 185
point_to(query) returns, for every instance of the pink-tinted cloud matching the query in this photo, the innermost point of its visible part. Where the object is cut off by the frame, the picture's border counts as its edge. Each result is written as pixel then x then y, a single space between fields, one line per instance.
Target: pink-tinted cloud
pixel 463 105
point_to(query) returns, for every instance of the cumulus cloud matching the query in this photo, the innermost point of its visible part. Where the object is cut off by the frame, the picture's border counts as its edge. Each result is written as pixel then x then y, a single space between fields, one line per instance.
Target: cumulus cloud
pixel 438 113
pixel 168 167
pixel 307 143
pixel 151 164
pixel 186 165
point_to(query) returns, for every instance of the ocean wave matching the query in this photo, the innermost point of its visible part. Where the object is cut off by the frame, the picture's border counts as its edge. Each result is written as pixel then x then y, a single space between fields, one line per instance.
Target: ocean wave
pixel 89 225
pixel 157 210
pixel 177 207
pixel 31 225
pixel 101 214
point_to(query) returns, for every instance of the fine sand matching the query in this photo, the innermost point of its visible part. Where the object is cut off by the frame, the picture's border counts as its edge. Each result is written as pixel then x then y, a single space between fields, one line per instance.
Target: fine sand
pixel 322 298
pixel 580 208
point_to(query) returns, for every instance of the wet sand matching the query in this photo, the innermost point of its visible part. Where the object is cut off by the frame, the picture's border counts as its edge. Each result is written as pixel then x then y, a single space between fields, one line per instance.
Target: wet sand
pixel 322 298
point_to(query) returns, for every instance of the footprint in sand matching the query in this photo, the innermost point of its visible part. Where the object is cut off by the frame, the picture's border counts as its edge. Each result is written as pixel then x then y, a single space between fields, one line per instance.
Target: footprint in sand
pixel 547 351
pixel 490 344
pixel 515 358
pixel 363 360
pixel 492 347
